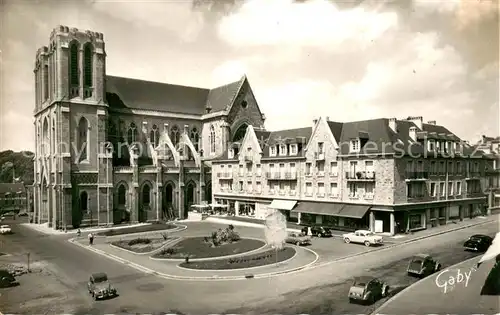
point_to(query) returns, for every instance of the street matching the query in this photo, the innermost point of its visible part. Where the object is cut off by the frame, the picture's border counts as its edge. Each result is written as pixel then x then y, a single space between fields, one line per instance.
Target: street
pixel 318 290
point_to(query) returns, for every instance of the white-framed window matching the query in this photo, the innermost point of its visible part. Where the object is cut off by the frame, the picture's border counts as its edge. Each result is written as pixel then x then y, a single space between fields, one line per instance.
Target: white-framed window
pixel 320 165
pixel 369 167
pixel 334 189
pixel 212 139
pixel 458 188
pixel 293 149
pixel 334 171
pixel 249 186
pixel 282 149
pixel 450 188
pixel 433 190
pixel 240 186
pixel 276 188
pixel 309 189
pixel 321 147
pixel 282 188
pixel 442 190
pixel 292 169
pixel 241 170
pixel 431 146
pixel 369 190
pixel 272 150
pixel 249 169
pixel 321 189
pixel 259 169
pixel 293 188
pixel 353 190
pixel 258 187
pixel 308 168
pixel 230 153
pixel 355 146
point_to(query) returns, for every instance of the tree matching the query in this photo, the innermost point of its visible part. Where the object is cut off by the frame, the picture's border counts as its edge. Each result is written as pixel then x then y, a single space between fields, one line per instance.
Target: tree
pixel 21 162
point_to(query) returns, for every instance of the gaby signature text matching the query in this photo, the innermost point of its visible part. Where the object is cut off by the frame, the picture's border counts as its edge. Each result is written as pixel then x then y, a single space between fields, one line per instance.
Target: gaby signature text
pixel 449 278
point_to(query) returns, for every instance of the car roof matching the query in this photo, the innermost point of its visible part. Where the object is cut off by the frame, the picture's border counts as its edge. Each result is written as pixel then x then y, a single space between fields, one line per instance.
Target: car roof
pixel 99 275
pixel 364 279
pixel 480 236
pixel 421 256
pixel 363 231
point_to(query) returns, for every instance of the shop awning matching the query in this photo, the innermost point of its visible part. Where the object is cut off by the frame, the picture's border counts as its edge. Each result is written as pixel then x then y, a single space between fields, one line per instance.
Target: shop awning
pixel 321 208
pixel 354 211
pixel 283 204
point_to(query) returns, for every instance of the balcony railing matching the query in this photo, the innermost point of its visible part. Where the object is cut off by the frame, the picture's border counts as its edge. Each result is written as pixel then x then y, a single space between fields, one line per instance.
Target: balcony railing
pixel 281 175
pixel 248 159
pixel 473 174
pixel 87 92
pixel 74 91
pixel 319 156
pixel 225 175
pixel 362 175
pixel 417 175
pixel 123 169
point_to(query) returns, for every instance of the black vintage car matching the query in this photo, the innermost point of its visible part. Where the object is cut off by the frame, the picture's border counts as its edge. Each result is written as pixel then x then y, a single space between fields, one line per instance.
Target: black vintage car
pixel 318 231
pixel 368 289
pixel 99 286
pixel 7 279
pixel 422 265
pixel 478 243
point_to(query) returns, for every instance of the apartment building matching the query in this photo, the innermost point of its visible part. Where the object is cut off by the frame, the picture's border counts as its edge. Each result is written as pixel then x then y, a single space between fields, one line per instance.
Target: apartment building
pixel 491 147
pixel 13 197
pixel 386 175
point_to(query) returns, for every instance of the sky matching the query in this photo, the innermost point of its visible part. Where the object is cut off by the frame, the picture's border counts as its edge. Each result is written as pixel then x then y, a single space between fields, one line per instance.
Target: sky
pixel 348 60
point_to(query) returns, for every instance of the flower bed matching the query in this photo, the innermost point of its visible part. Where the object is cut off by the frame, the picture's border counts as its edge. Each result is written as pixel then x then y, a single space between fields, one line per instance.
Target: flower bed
pixel 256 260
pixel 138 229
pixel 140 245
pixel 201 247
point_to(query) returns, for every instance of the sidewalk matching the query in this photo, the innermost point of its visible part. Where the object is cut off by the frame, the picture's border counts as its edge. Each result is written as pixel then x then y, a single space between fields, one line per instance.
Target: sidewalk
pixel 45 229
pixel 169 269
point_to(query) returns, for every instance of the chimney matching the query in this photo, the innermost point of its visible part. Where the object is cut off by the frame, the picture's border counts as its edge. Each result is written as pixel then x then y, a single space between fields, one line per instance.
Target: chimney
pixel 417 120
pixel 431 122
pixel 327 118
pixel 393 124
pixel 413 133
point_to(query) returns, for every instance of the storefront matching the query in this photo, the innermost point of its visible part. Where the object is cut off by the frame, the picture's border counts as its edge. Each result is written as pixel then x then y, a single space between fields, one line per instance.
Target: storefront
pixel 285 206
pixel 340 216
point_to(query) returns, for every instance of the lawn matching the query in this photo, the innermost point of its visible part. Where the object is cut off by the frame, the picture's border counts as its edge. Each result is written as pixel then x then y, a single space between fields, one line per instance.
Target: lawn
pixel 196 247
pixel 141 245
pixel 138 229
pixel 256 260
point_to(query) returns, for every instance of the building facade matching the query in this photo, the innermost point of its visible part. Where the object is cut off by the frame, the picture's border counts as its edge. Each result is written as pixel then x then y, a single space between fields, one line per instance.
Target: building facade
pixel 112 149
pixel 491 147
pixel 386 175
pixel 13 198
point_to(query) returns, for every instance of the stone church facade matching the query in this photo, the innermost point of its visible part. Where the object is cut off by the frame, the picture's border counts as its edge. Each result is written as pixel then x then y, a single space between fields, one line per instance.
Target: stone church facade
pixel 111 150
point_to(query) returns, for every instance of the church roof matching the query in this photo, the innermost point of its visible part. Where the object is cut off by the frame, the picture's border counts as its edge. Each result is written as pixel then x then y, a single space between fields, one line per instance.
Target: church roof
pixel 127 93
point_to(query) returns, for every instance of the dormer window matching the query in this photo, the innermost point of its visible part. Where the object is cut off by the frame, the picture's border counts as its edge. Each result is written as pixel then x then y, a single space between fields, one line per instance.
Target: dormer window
pixel 431 146
pixel 293 149
pixel 283 149
pixel 321 147
pixel 230 153
pixel 355 145
pixel 272 151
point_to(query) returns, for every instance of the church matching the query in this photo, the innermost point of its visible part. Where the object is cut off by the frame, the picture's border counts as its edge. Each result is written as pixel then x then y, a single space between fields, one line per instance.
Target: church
pixel 113 150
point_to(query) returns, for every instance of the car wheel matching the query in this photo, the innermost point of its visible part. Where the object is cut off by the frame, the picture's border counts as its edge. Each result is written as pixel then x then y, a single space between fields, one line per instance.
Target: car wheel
pixel 319 235
pixel 438 267
pixel 367 243
pixel 347 240
pixel 386 292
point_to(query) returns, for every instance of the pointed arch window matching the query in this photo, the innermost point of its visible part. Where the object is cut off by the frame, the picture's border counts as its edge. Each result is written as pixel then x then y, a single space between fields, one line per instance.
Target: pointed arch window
pixel 174 135
pixel 45 136
pixel 83 143
pixel 212 139
pixel 195 138
pixel 87 57
pixel 153 136
pixel 132 134
pixel 73 64
pixel 45 82
pixel 84 198
pixel 122 195
pixel 54 149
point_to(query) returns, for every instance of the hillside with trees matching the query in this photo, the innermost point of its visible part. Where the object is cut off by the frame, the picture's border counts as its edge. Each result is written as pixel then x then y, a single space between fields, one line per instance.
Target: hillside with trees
pixel 21 167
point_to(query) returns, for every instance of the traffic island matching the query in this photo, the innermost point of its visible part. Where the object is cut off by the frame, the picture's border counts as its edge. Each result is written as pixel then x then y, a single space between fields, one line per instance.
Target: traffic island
pixel 138 229
pixel 202 247
pixel 265 258
pixel 143 245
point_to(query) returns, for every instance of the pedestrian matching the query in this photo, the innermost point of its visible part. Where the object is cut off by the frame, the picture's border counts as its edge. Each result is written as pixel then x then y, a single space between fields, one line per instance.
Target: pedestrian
pixel 78 233
pixel 91 238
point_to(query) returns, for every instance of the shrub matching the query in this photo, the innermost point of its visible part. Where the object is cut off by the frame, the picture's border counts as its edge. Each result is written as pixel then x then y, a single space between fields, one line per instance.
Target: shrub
pixel 139 241
pixel 234 237
pixel 168 251
pixel 222 236
pixel 231 227
pixel 165 236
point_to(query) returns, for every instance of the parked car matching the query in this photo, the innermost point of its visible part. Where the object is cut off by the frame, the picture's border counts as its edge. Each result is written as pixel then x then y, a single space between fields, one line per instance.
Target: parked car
pixel 368 289
pixel 99 286
pixel 5 229
pixel 23 214
pixel 478 243
pixel 318 231
pixel 422 265
pixel 363 237
pixel 298 239
pixel 7 279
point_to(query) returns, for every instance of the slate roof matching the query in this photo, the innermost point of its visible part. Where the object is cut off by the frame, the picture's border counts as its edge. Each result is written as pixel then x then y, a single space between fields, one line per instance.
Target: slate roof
pixel 123 93
pixel 12 188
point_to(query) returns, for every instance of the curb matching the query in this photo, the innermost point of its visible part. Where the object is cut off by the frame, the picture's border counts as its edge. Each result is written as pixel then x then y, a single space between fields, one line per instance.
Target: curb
pixel 412 286
pixel 147 253
pixel 212 258
pixel 242 223
pixel 238 269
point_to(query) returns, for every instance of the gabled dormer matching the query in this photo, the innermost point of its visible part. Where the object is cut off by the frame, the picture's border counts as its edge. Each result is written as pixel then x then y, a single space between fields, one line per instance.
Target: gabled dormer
pixel 273 149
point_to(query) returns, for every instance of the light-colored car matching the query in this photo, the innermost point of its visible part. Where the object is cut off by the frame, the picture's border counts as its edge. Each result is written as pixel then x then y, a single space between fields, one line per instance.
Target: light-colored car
pixel 298 239
pixel 99 286
pixel 5 229
pixel 363 237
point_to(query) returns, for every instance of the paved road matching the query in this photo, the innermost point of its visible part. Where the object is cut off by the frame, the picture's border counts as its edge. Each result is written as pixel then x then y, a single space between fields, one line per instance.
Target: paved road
pixel 147 293
pixel 466 297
